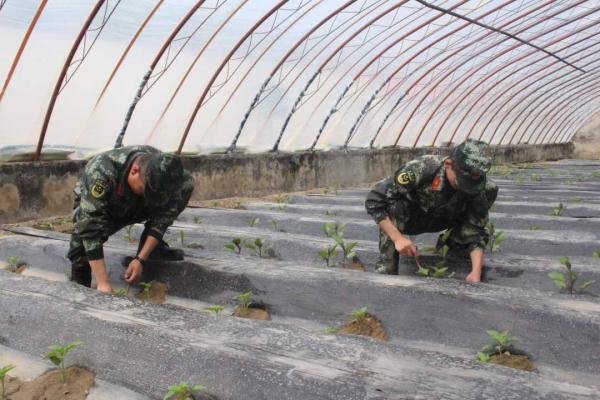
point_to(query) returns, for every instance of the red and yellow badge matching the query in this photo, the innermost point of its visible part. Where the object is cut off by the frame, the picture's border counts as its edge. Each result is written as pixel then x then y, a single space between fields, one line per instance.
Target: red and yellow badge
pixel 99 189
pixel 435 185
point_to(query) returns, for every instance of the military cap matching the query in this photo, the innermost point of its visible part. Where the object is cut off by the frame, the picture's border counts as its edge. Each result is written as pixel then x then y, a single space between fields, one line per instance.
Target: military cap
pixel 164 175
pixel 470 165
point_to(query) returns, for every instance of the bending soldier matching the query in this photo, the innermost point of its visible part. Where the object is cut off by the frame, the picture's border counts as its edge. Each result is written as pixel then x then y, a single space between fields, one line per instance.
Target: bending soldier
pixel 431 194
pixel 118 188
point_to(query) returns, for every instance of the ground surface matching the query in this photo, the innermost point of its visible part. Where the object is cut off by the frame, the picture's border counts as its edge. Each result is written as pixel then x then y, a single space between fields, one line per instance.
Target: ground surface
pixel 434 327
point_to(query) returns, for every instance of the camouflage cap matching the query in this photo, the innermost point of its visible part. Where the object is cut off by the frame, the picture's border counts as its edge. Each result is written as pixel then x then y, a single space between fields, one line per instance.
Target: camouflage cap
pixel 164 175
pixel 471 165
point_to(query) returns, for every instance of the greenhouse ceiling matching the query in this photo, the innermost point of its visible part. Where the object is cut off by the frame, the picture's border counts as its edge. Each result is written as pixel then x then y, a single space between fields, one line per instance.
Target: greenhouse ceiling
pixel 290 75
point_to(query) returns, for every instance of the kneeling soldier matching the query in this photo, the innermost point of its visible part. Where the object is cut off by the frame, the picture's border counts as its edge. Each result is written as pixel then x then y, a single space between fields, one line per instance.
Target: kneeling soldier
pixel 118 188
pixel 431 194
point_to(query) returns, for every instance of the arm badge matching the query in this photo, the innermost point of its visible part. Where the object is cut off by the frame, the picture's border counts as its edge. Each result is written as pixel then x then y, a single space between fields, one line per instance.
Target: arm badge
pixel 99 189
pixel 406 178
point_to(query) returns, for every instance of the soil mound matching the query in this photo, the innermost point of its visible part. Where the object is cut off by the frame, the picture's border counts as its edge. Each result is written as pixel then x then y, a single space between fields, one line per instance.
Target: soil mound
pixel 368 326
pixel 50 386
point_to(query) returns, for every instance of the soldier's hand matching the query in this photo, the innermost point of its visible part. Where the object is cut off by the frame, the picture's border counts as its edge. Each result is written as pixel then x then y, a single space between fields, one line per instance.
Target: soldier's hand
pixel 406 247
pixel 134 271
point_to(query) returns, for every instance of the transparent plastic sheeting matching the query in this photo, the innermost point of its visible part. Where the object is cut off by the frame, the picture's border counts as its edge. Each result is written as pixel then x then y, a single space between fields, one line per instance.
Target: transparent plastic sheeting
pixel 299 74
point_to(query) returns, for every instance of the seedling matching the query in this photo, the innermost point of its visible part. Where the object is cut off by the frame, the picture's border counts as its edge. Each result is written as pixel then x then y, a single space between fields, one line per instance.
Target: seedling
pixel 360 316
pixel 244 300
pixel 595 174
pixel 182 237
pixel 198 220
pixel 3 371
pixel 575 199
pixel 535 177
pixel 283 198
pixel 129 234
pixel 559 210
pixel 182 391
pixel 259 247
pixel 519 179
pixel 215 203
pixel 534 228
pixel 501 341
pixel 146 288
pixel 440 272
pixel 330 330
pixel 597 253
pixel 195 245
pixel 253 221
pixel 567 281
pixel 496 238
pixel 331 213
pixel 345 246
pixel 236 245
pixel 328 253
pixel 120 292
pixel 215 309
pixel 239 206
pixel 281 208
pixel 580 178
pixel 13 261
pixel 275 223
pixel 333 228
pixel 57 355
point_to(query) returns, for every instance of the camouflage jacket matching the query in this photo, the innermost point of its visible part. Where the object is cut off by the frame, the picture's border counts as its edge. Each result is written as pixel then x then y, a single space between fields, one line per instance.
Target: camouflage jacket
pixel 421 185
pixel 104 202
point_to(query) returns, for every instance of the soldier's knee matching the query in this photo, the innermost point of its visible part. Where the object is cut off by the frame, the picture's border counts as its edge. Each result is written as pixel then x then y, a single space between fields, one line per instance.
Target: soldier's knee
pixel 491 192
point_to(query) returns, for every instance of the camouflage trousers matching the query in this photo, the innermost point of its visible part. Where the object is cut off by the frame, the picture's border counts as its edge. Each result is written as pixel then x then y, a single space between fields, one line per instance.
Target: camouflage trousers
pixel 420 222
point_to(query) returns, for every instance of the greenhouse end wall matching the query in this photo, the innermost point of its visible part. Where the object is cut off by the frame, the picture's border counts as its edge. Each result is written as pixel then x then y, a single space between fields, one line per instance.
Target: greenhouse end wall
pixel 40 189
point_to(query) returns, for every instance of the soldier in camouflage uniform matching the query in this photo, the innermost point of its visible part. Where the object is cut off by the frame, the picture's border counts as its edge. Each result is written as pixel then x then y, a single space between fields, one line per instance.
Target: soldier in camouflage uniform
pixel 118 188
pixel 431 194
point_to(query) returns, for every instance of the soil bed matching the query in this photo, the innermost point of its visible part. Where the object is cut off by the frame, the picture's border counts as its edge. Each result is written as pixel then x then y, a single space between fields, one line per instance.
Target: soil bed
pixel 516 361
pixel 370 326
pixel 156 294
pixel 50 386
pixel 252 312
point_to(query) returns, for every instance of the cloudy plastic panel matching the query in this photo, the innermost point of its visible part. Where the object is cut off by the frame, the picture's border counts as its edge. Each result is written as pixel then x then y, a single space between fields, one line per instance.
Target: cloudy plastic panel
pixel 291 75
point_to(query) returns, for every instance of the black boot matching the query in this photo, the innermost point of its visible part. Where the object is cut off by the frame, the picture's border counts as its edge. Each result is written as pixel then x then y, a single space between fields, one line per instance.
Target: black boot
pixel 81 272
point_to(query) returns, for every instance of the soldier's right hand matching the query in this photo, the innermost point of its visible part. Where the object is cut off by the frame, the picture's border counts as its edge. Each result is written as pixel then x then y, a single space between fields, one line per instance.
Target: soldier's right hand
pixel 104 287
pixel 406 247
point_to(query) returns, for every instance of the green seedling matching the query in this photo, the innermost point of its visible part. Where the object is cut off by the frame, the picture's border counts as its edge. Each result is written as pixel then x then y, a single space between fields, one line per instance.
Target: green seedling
pixel 333 228
pixel 195 245
pixel 236 245
pixel 3 371
pixel 519 179
pixel 57 355
pixel 259 247
pixel 360 316
pixel 423 271
pixel 535 177
pixel 238 205
pixel 441 272
pixel 572 170
pixel 567 281
pixel 331 213
pixel 253 221
pixel 501 340
pixel 328 253
pixel 215 203
pixel 281 208
pixel 559 210
pixel 575 199
pixel 182 237
pixel 347 248
pixel 146 288
pixel 215 309
pixel 496 238
pixel 534 228
pixel 552 172
pixel 596 253
pixel 198 220
pixel 595 174
pixel 182 391
pixel 129 234
pixel 120 292
pixel 275 223
pixel 13 261
pixel 580 178
pixel 244 300
pixel 330 330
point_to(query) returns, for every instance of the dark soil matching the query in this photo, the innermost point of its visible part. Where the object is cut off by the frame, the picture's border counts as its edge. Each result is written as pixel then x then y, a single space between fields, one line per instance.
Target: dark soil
pixel 50 386
pixel 369 326
pixel 521 362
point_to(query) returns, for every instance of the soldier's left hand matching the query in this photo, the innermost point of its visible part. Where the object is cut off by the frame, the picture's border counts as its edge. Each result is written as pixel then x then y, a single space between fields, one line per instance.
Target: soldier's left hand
pixel 134 271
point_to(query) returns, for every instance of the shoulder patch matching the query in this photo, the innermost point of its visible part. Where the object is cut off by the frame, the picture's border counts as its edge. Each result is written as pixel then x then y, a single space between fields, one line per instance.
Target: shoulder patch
pixel 99 189
pixel 406 178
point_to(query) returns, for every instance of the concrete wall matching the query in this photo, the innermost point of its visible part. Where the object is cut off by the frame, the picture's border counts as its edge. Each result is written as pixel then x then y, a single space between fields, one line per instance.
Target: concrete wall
pixel 36 190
